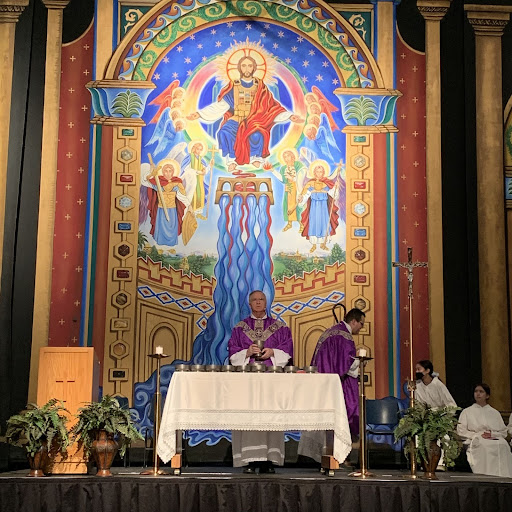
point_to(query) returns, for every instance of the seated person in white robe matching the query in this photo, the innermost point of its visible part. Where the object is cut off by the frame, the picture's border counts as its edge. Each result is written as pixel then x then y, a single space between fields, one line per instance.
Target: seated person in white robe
pixel 432 392
pixel 253 448
pixel 429 389
pixel 484 432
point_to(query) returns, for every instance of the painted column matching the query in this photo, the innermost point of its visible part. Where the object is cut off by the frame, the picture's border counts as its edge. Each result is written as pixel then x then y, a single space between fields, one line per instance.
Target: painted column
pixel 10 11
pixel 118 108
pixel 433 11
pixel 367 112
pixel 47 189
pixel 488 23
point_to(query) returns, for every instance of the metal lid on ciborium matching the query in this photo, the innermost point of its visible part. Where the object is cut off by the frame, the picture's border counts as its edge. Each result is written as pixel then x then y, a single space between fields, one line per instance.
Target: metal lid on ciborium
pixel 258 368
pixel 274 369
pixel 311 369
pixel 182 368
pixel 291 369
pixel 213 367
pixel 197 368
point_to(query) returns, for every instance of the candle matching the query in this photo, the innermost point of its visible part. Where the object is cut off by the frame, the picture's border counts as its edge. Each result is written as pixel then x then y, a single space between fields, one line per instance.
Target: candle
pixel 159 350
pixel 361 352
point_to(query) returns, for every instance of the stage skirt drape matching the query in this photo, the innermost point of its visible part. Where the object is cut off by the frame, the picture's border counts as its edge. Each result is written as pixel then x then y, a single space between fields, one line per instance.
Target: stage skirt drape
pixel 244 494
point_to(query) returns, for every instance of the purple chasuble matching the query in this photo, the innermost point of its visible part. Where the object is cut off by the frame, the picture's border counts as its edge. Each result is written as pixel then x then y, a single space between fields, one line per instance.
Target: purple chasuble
pixel 334 353
pixel 274 333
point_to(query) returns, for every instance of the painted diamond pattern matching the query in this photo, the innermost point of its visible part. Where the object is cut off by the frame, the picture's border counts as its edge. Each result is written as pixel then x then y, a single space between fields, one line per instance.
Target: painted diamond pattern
pixel 201 323
pixel 146 292
pixel 185 304
pixel 336 297
pixel 315 302
pixel 297 307
pixel 165 298
pixel 278 309
pixel 204 307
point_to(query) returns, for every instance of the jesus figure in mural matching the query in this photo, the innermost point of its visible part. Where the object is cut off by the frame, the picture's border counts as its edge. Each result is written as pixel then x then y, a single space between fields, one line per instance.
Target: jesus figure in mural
pixel 249 111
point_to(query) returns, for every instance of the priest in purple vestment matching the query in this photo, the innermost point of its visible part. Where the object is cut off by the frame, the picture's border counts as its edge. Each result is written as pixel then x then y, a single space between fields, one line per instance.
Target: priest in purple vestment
pixel 259 449
pixel 335 353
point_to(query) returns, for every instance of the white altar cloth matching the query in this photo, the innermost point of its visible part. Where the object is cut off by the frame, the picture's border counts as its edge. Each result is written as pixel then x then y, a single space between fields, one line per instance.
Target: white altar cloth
pixel 254 401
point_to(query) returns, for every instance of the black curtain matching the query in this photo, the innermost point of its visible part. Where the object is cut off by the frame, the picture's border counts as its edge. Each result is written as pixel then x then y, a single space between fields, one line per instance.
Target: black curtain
pixel 22 200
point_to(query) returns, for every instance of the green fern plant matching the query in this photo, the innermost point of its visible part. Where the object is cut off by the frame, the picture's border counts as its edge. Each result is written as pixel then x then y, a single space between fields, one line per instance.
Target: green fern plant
pixel 36 426
pixel 106 415
pixel 428 424
pixel 127 104
pixel 361 109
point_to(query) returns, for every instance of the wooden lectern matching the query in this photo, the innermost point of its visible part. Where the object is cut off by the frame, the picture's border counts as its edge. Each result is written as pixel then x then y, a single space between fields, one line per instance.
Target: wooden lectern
pixel 70 374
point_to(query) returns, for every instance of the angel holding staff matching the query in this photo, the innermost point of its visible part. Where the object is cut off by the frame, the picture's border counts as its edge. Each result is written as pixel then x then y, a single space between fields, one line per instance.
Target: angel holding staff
pixel 320 216
pixel 166 201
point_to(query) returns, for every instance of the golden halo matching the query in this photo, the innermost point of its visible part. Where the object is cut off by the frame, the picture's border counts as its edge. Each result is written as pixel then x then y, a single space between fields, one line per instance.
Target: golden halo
pixel 308 126
pixel 227 64
pixel 168 161
pixel 181 120
pixel 319 163
pixel 314 119
pixel 180 90
pixel 285 150
pixel 310 106
pixel 312 96
pixel 192 143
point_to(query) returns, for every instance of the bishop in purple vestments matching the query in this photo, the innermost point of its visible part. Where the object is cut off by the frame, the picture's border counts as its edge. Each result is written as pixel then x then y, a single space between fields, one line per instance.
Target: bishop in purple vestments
pixel 248 336
pixel 334 353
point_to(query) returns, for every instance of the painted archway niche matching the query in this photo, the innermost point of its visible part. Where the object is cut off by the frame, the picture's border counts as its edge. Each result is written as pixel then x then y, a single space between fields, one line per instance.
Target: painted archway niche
pixel 219 126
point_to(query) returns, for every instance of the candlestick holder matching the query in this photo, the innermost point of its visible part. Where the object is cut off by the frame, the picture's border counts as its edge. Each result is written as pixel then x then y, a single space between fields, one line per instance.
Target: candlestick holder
pixel 363 470
pixel 155 470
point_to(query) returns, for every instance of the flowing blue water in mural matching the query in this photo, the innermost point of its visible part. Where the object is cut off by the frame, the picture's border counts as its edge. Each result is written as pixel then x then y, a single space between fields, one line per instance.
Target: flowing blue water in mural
pixel 244 265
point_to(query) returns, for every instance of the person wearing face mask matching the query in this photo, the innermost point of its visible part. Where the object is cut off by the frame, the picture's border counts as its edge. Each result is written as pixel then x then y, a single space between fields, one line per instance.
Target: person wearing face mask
pixel 484 432
pixel 429 389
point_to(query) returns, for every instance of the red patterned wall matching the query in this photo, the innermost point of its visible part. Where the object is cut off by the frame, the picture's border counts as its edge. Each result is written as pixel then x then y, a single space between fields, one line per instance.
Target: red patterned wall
pixel 71 197
pixel 412 199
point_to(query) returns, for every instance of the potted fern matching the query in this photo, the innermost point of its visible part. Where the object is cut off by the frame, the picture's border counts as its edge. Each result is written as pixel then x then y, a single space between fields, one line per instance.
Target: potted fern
pixel 430 430
pixel 41 431
pixel 102 429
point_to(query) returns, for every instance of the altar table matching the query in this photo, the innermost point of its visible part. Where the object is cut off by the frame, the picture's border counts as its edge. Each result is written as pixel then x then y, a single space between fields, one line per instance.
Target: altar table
pixel 253 401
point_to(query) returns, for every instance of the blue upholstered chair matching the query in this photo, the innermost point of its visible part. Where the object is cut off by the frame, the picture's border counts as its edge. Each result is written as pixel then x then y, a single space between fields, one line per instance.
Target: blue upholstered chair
pixel 382 416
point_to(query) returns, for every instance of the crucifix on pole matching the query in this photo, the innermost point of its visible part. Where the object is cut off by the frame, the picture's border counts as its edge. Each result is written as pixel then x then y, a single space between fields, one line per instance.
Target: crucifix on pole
pixel 410 265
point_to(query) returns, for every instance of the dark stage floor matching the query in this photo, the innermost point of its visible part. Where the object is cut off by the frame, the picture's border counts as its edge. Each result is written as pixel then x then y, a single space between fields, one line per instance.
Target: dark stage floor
pixel 205 489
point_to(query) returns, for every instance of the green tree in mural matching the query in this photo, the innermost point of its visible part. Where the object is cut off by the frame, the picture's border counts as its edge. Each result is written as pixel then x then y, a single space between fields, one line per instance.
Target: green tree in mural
pixel 361 109
pixel 127 103
pixel 337 254
pixel 141 240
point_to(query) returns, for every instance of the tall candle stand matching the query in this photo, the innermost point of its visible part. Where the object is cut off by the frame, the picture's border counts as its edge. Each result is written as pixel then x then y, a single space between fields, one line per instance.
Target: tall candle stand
pixel 157 397
pixel 363 470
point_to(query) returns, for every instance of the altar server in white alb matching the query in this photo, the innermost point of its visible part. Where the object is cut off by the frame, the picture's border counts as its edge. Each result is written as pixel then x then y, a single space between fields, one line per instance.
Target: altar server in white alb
pixel 259 449
pixel 429 389
pixel 484 432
